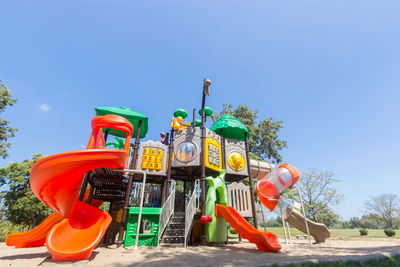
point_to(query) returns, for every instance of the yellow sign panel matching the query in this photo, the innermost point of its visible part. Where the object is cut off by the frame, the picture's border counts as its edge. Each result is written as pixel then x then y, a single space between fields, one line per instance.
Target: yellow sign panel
pixel 152 159
pixel 213 154
pixel 236 160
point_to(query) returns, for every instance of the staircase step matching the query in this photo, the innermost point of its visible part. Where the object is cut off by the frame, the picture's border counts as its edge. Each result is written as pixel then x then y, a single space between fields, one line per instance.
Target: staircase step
pixel 173 240
pixel 171 245
pixel 179 213
pixel 174 232
pixel 175 226
pixel 178 220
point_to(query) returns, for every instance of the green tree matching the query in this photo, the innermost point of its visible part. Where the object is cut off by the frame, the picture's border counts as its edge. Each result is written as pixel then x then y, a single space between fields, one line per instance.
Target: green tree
pixel 387 207
pixel 319 196
pixel 6 132
pixel 264 142
pixel 20 205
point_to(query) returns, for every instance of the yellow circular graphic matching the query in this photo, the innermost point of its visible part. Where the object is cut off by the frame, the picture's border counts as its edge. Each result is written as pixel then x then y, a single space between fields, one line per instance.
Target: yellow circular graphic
pixel 236 160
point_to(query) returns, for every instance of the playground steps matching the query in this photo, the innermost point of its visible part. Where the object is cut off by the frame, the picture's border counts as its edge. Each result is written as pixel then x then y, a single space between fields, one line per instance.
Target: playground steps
pixel 175 230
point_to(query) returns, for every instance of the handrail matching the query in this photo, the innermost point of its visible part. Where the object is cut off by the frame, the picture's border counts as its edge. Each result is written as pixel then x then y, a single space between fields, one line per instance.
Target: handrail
pixel 140 204
pixel 166 211
pixel 192 206
pixel 304 214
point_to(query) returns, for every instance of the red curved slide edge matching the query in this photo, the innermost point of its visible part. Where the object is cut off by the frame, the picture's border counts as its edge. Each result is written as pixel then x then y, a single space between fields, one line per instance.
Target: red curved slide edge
pixel 37 236
pixel 265 241
pixel 56 181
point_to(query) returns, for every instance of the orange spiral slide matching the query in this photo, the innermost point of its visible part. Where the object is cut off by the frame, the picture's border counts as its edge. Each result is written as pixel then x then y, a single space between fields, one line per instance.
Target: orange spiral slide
pixel 77 227
pixel 37 236
pixel 265 241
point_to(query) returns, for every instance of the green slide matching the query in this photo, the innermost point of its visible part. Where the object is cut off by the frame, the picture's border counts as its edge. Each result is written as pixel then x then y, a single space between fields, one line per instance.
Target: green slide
pixel 216 194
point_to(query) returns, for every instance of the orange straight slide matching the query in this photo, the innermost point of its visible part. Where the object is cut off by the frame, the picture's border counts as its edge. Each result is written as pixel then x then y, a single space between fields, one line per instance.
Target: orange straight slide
pixel 265 241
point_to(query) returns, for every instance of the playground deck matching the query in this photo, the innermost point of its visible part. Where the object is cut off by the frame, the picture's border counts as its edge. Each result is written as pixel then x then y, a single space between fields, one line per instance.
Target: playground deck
pixel 239 254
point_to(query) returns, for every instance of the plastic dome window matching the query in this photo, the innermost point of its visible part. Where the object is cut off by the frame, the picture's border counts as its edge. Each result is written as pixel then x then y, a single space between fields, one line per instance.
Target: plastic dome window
pixel 186 151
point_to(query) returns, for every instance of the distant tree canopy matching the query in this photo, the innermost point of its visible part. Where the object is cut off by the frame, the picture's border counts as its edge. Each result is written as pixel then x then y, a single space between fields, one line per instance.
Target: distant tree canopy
pixel 386 207
pixel 19 205
pixel 264 142
pixel 6 132
pixel 371 221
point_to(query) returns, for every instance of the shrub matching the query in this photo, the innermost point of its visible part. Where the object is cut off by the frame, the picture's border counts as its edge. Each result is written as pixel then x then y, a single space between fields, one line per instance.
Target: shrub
pixel 389 232
pixel 232 231
pixel 363 232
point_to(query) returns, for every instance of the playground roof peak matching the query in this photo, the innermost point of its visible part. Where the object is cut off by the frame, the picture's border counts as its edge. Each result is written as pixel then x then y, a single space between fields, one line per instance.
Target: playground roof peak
pixel 231 127
pixel 131 115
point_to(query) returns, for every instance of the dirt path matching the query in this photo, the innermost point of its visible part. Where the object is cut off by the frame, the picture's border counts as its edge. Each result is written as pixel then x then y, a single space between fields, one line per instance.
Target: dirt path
pixel 243 254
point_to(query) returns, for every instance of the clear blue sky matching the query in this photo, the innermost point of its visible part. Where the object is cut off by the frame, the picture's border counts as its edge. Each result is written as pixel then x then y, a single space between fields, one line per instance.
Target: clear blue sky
pixel 329 69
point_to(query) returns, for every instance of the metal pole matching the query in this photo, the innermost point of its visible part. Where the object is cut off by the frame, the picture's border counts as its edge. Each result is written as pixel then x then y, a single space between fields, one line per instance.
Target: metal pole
pixel 283 223
pixel 290 235
pixel 170 153
pixel 184 195
pixel 105 136
pixel 262 213
pixel 140 208
pixel 221 132
pixel 130 173
pixel 129 187
pixel 252 198
pixel 84 185
pixel 203 162
pixel 304 214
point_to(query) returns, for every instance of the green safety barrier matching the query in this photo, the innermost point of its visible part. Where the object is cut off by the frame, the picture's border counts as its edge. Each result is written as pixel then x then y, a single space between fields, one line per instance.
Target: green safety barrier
pixel 145 239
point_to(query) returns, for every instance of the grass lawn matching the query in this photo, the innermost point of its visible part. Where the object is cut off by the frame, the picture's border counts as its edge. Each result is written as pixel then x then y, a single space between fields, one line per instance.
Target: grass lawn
pixel 334 232
pixel 387 261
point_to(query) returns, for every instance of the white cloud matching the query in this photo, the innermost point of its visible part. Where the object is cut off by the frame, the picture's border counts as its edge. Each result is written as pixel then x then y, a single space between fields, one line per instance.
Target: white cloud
pixel 44 107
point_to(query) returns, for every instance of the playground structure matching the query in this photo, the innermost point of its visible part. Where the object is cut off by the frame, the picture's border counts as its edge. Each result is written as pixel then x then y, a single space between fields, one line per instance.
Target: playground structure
pixel 146 208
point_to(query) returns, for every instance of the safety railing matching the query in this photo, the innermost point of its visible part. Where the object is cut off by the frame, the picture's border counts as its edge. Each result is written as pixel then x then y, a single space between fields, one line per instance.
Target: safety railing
pixel 141 197
pixel 192 206
pixel 167 210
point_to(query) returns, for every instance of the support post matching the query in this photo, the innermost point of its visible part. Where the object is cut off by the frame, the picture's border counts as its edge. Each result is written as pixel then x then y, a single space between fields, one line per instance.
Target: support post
pixel 129 187
pixel 221 132
pixel 283 222
pixel 253 202
pixel 87 175
pixel 304 215
pixel 203 162
pixel 262 213
pixel 184 195
pixel 84 185
pixel 168 180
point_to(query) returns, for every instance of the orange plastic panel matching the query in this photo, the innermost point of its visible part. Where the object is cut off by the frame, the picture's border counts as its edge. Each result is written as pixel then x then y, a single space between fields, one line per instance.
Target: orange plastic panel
pixel 56 181
pixel 265 241
pixel 76 237
pixel 37 236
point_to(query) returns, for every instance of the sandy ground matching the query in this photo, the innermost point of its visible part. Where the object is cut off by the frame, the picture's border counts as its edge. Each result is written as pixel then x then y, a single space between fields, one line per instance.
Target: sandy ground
pixel 239 254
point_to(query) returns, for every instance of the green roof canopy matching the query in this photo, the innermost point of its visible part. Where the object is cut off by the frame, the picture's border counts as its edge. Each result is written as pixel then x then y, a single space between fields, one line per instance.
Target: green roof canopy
pixel 207 111
pixel 232 128
pixel 132 116
pixel 180 112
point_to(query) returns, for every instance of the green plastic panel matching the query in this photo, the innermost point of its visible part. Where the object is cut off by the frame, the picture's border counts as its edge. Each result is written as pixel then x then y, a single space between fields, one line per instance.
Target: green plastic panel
pixel 231 127
pixel 148 239
pixel 132 116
